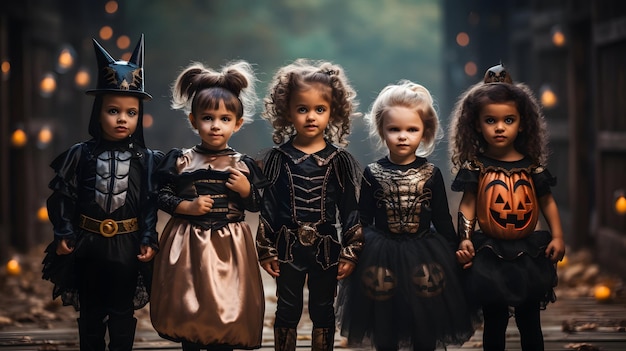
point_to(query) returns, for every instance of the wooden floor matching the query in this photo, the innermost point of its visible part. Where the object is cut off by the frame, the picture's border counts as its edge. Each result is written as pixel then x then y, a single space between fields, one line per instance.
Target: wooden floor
pixel 568 324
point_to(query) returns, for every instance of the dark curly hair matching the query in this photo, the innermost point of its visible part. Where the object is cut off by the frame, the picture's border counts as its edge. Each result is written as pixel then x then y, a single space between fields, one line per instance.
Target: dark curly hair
pixel 300 75
pixel 466 143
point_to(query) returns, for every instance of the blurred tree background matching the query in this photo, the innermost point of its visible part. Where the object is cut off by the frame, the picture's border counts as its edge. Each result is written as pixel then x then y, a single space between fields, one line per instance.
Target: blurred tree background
pixel 376 42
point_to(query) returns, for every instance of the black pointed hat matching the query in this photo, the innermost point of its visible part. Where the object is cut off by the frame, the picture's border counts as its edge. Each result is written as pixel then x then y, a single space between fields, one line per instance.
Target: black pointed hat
pixel 120 77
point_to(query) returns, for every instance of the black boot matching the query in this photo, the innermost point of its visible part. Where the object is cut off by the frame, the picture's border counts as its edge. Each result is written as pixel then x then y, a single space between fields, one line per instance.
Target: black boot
pixel 284 339
pixel 322 339
pixel 91 334
pixel 122 334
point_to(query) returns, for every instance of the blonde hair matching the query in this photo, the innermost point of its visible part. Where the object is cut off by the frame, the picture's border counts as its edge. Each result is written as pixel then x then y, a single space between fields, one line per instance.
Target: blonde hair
pixel 413 96
pixel 300 75
pixel 199 87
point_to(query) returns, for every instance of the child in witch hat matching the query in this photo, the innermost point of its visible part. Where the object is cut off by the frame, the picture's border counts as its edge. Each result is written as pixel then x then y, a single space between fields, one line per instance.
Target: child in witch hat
pixel 103 210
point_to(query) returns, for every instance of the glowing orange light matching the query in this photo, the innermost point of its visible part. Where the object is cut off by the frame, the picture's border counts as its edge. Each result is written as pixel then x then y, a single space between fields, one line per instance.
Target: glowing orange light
pixel 111 7
pixel 620 205
pixel 563 263
pixel 47 85
pixel 602 293
pixel 471 69
pixel 548 98
pixel 45 135
pixel 13 267
pixel 123 42
pixel 19 138
pixel 126 56
pixel 558 38
pixel 66 59
pixel 42 214
pixel 106 33
pixel 82 78
pixel 147 120
pixel 6 67
pixel 462 39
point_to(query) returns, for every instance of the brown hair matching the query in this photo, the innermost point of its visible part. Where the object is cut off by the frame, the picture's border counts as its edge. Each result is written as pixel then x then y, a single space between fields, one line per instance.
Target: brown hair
pixel 300 75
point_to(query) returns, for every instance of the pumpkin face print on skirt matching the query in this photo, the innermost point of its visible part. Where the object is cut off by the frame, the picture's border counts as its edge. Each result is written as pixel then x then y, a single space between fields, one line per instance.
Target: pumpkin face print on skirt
pixel 379 283
pixel 429 279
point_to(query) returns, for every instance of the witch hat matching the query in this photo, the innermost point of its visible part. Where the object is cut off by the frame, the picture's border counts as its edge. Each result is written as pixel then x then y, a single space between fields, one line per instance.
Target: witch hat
pixel 120 77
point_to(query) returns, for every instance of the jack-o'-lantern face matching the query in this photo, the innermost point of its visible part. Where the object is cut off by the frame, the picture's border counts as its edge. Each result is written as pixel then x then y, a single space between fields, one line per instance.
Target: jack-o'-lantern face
pixel 507 206
pixel 379 283
pixel 429 279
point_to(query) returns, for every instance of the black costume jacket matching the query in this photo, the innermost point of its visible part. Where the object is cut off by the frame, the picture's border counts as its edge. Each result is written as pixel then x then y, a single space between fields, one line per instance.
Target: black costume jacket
pixel 312 199
pixel 101 180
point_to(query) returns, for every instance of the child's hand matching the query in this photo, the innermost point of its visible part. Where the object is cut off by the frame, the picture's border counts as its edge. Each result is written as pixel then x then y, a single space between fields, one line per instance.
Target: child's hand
pixel 464 258
pixel 272 267
pixel 556 250
pixel 63 248
pixel 238 182
pixel 465 253
pixel 147 252
pixel 200 205
pixel 345 269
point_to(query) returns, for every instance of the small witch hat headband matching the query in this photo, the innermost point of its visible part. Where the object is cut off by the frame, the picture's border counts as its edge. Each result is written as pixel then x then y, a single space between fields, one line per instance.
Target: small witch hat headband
pixel 118 76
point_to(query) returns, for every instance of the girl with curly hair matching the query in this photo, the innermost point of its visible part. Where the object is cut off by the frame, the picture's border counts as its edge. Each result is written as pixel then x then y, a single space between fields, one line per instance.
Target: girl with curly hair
pixel 498 146
pixel 309 227
pixel 207 291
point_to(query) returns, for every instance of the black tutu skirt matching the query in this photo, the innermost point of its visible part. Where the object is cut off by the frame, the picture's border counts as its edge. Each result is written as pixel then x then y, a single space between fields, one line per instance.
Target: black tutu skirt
pixel 511 271
pixel 406 290
pixel 61 270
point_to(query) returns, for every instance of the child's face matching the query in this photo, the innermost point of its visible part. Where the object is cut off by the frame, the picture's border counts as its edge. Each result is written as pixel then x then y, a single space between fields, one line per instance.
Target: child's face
pixel 215 127
pixel 499 124
pixel 402 130
pixel 309 112
pixel 119 116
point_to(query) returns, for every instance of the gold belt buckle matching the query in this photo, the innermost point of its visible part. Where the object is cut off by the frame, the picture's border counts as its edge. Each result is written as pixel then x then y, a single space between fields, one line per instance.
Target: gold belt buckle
pixel 307 233
pixel 108 228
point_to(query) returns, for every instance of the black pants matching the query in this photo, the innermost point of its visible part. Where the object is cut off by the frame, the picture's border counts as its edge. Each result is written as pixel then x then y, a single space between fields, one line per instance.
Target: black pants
pixel 528 323
pixel 322 285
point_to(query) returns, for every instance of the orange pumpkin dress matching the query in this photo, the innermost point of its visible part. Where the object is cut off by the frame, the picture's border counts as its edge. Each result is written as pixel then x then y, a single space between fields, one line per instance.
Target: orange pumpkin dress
pixel 510 266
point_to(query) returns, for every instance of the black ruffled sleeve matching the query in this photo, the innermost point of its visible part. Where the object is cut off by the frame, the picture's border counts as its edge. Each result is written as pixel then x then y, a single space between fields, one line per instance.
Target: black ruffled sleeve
pixel 149 207
pixel 349 172
pixel 266 232
pixel 62 203
pixel 257 181
pixel 165 177
pixel 543 181
pixel 466 180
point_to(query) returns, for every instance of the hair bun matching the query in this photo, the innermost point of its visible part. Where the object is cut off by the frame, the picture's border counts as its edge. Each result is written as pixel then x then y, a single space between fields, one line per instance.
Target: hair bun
pixel 497 74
